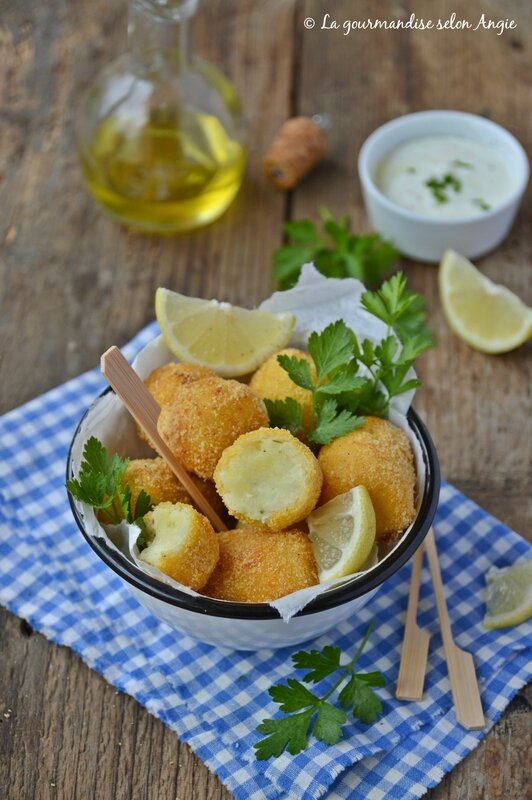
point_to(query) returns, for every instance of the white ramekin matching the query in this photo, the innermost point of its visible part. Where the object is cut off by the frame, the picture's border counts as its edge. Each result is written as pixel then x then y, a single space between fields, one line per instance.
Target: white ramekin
pixel 422 237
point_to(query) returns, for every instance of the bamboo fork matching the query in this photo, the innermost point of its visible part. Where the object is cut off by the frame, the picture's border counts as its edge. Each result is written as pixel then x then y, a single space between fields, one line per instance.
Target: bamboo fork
pixel 145 411
pixel 415 643
pixel 464 685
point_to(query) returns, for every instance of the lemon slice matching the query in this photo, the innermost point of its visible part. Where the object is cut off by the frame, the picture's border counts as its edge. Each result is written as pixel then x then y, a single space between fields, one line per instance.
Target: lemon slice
pixel 228 339
pixel 342 533
pixel 485 315
pixel 508 595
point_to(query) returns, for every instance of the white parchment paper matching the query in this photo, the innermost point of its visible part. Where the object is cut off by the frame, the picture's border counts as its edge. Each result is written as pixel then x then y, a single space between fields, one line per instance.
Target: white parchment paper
pixel 316 301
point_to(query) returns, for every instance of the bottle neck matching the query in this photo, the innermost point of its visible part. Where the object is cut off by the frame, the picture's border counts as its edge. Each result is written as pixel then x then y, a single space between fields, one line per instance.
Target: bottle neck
pixel 161 27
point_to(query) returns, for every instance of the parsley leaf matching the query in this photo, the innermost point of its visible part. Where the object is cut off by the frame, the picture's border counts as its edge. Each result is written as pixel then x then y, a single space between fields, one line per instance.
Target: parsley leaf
pixel 302 231
pixel 145 536
pixel 292 697
pixel 333 423
pixel 401 309
pixel 290 733
pixel 285 413
pixel 321 663
pixel 328 725
pixel 100 485
pixel 142 505
pixel 298 370
pixel 389 302
pixel 336 252
pixel 372 678
pixel 343 381
pixel 288 262
pixel 309 714
pixel 330 349
pixel 364 703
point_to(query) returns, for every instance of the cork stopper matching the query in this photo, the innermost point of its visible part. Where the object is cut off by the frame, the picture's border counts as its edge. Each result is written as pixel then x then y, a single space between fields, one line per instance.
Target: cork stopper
pixel 299 145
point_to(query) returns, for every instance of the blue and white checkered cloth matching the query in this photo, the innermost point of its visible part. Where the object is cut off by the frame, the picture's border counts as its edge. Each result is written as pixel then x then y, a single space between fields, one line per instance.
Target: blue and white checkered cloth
pixel 214 699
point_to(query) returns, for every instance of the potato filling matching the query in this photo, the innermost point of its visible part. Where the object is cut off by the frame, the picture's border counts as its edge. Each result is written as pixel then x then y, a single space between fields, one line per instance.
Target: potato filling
pixel 169 525
pixel 266 478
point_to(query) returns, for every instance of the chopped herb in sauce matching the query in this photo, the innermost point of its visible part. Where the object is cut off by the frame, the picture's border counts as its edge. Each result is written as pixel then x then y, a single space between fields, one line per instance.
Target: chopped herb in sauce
pixel 411 170
pixel 457 162
pixel 480 203
pixel 441 187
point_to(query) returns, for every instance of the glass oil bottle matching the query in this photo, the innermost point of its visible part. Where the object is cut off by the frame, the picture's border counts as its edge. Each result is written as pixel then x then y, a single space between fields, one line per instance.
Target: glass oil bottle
pixel 160 133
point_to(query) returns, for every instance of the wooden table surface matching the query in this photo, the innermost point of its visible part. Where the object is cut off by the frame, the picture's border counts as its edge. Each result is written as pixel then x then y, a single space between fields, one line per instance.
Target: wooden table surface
pixel 64 732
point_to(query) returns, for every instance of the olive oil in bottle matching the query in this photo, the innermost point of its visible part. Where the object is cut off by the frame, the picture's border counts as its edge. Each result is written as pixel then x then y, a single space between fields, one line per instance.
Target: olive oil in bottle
pixel 160 134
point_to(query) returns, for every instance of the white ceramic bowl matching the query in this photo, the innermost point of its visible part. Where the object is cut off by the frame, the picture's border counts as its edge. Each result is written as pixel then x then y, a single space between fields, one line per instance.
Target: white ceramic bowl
pixel 253 626
pixel 422 237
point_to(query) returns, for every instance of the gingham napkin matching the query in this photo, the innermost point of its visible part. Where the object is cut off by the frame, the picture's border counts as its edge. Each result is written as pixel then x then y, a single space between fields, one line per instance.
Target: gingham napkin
pixel 214 699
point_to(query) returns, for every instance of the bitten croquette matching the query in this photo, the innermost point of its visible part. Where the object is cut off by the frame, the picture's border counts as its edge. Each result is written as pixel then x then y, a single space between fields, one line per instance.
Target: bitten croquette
pixel 256 565
pixel 269 476
pixel 272 382
pixel 378 456
pixel 206 417
pixel 182 544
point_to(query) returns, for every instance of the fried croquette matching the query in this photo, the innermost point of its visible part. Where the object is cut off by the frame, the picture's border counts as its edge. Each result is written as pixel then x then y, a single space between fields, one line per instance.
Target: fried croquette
pixel 272 382
pixel 256 565
pixel 157 479
pixel 207 416
pixel 163 381
pixel 269 476
pixel 377 456
pixel 183 544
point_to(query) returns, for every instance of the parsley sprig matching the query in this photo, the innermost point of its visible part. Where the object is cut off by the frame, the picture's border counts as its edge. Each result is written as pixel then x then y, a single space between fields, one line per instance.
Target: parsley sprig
pixel 340 394
pixel 100 485
pixel 331 351
pixel 336 252
pixel 308 713
pixel 402 310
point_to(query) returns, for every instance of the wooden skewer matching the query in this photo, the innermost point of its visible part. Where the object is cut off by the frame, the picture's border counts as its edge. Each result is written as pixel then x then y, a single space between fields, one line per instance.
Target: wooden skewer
pixel 145 411
pixel 464 685
pixel 415 643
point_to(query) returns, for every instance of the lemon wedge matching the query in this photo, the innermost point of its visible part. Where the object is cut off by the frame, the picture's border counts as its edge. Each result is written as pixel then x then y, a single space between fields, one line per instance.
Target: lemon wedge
pixel 230 340
pixel 485 315
pixel 508 595
pixel 342 533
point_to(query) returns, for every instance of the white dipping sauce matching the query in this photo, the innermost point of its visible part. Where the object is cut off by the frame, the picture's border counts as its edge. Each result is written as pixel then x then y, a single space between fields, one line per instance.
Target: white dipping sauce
pixel 445 177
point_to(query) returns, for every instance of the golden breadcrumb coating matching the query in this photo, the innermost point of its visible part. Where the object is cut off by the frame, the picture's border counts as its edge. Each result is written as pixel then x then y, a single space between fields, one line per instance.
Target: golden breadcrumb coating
pixel 269 476
pixel 163 381
pixel 272 382
pixel 157 479
pixel 256 565
pixel 378 456
pixel 205 418
pixel 184 544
